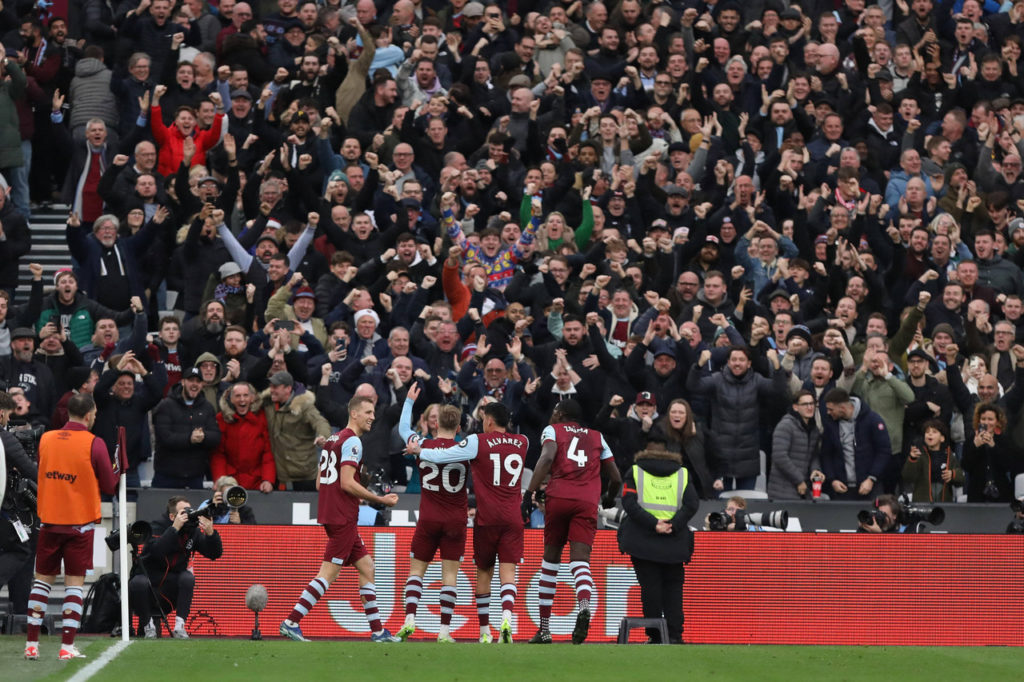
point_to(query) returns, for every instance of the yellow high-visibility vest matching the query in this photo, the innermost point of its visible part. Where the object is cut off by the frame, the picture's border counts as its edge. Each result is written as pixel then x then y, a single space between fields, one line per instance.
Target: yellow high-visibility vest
pixel 662 496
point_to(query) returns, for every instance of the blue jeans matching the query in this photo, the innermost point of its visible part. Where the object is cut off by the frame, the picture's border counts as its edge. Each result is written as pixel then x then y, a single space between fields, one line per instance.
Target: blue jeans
pixel 745 483
pixel 165 481
pixel 17 178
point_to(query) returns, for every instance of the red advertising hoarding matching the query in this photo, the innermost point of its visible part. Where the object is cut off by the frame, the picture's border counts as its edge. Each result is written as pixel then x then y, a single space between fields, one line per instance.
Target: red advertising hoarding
pixel 770 588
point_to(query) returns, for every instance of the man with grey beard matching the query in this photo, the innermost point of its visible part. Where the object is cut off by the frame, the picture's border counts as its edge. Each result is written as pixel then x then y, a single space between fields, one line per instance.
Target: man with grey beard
pixel 21 369
pixel 108 264
pixel 205 333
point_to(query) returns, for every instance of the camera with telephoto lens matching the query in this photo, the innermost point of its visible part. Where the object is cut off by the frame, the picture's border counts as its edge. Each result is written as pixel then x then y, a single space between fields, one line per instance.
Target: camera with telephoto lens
pixel 378 484
pixel 778 518
pixel 1016 526
pixel 28 437
pixel 914 516
pixel 232 498
pixel 869 516
pixel 138 534
pixel 20 495
pixel 719 521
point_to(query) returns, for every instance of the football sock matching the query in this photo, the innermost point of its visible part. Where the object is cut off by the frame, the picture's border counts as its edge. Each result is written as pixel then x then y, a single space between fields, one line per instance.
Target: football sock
pixel 483 610
pixel 546 591
pixel 368 593
pixel 72 614
pixel 448 598
pixel 413 592
pixel 584 582
pixel 37 601
pixel 508 599
pixel 179 623
pixel 309 598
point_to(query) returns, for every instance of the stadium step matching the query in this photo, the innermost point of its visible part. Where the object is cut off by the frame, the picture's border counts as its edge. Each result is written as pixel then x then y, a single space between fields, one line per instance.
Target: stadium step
pixel 49 248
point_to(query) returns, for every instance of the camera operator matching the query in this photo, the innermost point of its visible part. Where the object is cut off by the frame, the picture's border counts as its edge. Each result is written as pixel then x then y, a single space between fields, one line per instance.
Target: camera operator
pixel 222 513
pixel 18 514
pixel 885 518
pixel 734 504
pixel 165 574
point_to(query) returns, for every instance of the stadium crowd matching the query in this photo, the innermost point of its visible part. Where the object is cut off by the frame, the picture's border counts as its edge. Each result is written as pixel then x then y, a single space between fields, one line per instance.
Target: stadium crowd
pixel 724 228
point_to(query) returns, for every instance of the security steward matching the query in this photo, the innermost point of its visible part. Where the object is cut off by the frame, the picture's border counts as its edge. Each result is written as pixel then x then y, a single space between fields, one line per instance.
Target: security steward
pixel 659 501
pixel 74 467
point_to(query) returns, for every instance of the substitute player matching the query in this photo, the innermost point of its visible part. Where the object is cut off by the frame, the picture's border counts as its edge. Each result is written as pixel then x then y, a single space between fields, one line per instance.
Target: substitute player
pixel 74 466
pixel 338 511
pixel 497 459
pixel 575 456
pixel 441 525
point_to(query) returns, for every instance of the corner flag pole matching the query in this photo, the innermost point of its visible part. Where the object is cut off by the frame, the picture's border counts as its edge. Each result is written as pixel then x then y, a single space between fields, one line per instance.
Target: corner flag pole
pixel 122 525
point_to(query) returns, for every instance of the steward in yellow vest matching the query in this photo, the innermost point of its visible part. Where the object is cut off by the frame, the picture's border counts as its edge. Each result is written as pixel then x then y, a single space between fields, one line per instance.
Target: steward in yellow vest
pixel 659 500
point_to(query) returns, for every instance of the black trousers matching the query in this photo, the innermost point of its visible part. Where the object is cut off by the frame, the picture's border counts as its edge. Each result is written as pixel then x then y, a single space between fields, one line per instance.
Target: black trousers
pixel 661 593
pixel 17 566
pixel 174 593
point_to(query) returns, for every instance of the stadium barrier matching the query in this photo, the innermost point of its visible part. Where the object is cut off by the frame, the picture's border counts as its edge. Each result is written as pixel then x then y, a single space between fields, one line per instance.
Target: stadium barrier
pixel 749 588
pixel 299 509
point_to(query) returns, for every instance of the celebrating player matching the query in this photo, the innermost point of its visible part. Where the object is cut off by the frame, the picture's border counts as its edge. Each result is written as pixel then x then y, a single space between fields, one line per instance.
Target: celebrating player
pixel 442 520
pixel 497 459
pixel 576 457
pixel 338 511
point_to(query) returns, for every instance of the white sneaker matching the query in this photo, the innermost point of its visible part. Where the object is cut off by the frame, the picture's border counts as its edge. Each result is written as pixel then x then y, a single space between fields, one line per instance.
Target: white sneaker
pixel 149 631
pixel 179 633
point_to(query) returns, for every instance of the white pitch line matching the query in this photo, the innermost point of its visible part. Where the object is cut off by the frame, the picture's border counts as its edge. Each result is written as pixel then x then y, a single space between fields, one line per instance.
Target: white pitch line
pixel 97 665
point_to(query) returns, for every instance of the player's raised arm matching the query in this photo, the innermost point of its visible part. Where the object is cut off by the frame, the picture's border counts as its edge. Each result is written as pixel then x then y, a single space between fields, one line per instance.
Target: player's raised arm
pixel 405 421
pixel 460 452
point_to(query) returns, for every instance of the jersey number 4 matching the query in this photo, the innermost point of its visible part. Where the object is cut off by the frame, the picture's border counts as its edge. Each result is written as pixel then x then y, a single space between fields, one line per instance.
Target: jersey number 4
pixel 575 454
pixel 328 467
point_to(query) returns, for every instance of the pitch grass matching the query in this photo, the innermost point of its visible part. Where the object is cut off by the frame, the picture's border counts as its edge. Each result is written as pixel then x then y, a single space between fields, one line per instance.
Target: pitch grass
pixel 227 660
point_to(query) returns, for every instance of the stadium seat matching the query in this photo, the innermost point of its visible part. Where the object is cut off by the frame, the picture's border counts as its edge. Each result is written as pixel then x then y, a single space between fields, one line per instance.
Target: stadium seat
pixel 745 494
pixel 762 478
pixel 627 624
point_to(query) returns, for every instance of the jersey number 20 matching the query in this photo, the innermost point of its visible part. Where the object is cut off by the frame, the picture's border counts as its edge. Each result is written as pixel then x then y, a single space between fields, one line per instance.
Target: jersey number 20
pixel 432 471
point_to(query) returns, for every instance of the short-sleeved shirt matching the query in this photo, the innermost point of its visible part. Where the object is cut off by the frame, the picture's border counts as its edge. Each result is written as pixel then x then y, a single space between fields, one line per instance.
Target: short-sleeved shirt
pixel 443 495
pixel 576 470
pixel 334 505
pixel 497 478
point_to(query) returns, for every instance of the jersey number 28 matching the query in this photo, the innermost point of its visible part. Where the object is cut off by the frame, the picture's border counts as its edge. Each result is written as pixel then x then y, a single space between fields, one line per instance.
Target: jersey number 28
pixel 328 467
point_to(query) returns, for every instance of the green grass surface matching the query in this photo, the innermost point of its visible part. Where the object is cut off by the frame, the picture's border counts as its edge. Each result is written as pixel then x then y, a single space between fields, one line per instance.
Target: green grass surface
pixel 227 660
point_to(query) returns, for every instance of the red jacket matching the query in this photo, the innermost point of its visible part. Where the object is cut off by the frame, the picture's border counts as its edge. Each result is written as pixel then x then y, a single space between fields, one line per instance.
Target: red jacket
pixel 244 450
pixel 170 141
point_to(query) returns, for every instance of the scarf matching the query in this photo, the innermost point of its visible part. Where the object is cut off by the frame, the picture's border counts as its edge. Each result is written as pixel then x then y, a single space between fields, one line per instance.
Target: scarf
pixel 222 291
pixel 89 151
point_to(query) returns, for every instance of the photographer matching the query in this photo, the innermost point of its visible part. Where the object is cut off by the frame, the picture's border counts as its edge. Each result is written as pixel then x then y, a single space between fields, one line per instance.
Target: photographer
pixel 17 514
pixel 733 505
pixel 222 513
pixel 659 501
pixel 165 581
pixel 885 518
